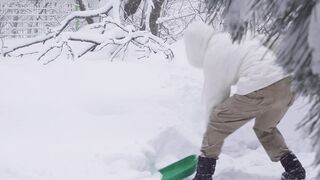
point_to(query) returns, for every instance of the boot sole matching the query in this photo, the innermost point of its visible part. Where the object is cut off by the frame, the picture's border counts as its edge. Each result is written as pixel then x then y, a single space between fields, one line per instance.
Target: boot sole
pixel 283 177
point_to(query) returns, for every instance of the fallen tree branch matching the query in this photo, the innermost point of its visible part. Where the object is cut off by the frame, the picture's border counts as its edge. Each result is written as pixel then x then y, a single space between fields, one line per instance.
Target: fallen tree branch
pixel 91 48
pixel 111 34
pixel 57 31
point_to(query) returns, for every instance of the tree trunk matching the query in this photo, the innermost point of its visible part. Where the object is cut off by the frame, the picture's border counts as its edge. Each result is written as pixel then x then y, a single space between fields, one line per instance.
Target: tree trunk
pixel 131 7
pixel 155 14
pixel 82 7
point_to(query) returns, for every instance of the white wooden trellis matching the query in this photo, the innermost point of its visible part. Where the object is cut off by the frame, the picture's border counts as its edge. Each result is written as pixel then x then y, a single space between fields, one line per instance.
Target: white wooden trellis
pixel 29 18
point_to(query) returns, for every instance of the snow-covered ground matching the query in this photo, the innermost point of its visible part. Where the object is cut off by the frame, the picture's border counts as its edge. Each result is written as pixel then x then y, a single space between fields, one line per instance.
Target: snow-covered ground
pixel 123 120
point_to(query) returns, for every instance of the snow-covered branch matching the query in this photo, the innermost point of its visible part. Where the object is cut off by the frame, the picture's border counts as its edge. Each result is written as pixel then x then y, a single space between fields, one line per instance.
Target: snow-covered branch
pixel 58 30
pixel 109 35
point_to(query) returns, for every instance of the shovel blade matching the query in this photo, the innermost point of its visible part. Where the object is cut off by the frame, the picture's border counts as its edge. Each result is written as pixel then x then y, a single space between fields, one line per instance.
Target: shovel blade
pixel 180 169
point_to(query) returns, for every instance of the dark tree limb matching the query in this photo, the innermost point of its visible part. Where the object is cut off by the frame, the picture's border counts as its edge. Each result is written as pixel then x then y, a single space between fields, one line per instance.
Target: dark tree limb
pixel 91 48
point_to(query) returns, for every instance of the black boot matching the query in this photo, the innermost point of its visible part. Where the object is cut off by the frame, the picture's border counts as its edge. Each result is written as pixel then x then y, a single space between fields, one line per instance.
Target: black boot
pixel 293 168
pixel 205 168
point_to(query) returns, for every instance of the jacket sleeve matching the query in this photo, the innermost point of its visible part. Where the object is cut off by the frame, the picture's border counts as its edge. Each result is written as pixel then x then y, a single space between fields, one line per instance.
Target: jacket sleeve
pixel 220 68
pixel 215 91
pixel 217 83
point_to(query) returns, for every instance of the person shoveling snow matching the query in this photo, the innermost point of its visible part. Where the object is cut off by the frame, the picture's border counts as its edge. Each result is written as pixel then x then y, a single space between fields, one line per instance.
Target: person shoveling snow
pixel 263 92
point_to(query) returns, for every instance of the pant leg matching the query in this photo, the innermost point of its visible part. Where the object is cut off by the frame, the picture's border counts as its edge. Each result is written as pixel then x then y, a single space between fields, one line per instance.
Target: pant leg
pixel 268 105
pixel 269 135
pixel 215 135
pixel 225 119
pixel 266 123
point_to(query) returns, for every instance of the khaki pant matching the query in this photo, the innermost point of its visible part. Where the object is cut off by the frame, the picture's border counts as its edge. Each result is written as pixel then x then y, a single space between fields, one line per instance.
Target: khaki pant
pixel 267 106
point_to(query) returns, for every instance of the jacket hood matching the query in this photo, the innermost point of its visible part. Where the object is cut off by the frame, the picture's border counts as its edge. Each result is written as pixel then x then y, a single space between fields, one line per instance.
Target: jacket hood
pixel 196 39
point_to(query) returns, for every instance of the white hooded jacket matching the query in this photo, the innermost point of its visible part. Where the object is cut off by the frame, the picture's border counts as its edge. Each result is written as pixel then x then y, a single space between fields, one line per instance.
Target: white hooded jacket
pixel 249 66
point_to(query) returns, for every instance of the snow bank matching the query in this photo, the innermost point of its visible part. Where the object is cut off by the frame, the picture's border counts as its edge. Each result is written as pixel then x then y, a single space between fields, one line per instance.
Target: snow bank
pixel 99 120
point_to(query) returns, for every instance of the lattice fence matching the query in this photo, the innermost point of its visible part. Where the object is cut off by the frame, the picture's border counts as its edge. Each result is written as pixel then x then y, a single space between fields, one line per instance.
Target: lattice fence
pixel 29 18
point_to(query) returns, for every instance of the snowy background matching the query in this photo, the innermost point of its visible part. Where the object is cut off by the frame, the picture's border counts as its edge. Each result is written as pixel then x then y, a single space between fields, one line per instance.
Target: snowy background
pixel 94 119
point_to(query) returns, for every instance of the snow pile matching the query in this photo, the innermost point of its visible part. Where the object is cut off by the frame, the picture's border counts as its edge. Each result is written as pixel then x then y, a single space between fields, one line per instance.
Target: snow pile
pixel 118 120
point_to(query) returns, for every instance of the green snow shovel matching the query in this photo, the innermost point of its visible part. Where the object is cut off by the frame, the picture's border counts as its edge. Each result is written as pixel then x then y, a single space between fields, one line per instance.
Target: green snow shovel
pixel 180 169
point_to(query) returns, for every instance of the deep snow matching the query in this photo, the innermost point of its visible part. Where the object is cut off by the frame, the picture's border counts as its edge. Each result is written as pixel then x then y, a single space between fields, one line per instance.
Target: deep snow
pixel 123 120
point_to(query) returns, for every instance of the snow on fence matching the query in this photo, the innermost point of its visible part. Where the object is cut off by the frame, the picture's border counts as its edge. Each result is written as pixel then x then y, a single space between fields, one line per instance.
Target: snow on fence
pixel 29 18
